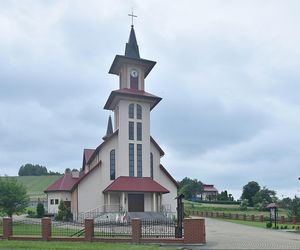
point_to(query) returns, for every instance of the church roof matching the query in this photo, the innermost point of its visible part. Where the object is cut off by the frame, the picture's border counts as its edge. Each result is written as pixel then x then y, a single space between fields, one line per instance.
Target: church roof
pixel 64 183
pixel 135 184
pixel 130 93
pixel 169 175
pixel 87 153
pixel 132 48
pixel 161 152
pixel 67 182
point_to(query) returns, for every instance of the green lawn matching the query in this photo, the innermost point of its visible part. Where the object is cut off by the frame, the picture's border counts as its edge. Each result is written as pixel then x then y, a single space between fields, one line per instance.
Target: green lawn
pixel 223 208
pixel 36 184
pixel 256 223
pixel 5 244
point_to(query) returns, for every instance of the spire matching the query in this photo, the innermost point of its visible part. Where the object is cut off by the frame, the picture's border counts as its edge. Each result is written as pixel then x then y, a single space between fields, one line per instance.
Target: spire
pixel 109 130
pixel 132 49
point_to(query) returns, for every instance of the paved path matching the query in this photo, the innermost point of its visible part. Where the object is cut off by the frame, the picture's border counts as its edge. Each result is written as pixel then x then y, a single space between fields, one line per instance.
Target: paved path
pixel 227 235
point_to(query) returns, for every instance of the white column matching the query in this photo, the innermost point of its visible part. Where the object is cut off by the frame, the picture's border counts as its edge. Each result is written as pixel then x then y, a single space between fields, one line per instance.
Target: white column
pixel 123 200
pixel 154 203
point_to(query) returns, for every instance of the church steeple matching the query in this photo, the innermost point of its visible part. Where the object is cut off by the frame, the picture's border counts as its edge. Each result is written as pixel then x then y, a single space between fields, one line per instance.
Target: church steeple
pixel 132 49
pixel 109 130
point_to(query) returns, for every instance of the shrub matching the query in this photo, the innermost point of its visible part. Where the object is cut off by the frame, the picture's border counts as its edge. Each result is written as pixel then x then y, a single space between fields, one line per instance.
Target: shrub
pixel 282 227
pixel 40 210
pixel 31 213
pixel 285 227
pixel 269 224
pixel 276 227
pixel 244 204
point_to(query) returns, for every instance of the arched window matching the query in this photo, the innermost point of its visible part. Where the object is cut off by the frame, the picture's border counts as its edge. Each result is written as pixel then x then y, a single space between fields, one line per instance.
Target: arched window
pixel 131 110
pixel 138 111
pixel 151 165
pixel 112 164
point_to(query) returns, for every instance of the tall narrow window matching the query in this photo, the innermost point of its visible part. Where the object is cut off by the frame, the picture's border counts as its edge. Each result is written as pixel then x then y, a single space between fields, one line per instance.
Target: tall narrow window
pixel 151 165
pixel 112 164
pixel 131 159
pixel 139 160
pixel 131 110
pixel 138 111
pixel 139 131
pixel 131 130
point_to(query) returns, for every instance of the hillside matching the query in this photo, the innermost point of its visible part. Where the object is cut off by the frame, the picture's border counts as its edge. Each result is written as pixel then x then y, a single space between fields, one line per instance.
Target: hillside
pixel 35 184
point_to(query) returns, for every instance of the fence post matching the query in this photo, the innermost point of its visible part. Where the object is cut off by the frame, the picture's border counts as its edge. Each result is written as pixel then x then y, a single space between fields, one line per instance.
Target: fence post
pixel 136 230
pixel 294 219
pixel 46 228
pixel 236 216
pixel 252 217
pixel 282 220
pixel 244 216
pixel 89 229
pixel 7 227
pixel 261 218
pixel 194 231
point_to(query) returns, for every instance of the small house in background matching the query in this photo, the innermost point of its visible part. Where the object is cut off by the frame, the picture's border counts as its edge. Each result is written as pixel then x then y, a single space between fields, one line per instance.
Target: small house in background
pixel 209 193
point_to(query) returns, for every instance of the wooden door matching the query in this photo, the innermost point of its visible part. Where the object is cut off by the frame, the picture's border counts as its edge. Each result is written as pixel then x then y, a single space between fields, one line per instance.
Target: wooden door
pixel 135 202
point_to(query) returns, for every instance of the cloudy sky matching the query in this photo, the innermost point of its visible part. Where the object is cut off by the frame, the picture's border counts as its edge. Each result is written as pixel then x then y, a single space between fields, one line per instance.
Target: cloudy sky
pixel 228 72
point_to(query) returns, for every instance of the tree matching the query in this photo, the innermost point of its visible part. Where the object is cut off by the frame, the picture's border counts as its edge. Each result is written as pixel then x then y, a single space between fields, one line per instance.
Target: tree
pixel 294 209
pixel 285 203
pixel 263 197
pixel 35 170
pixel 13 196
pixel 190 188
pixel 249 190
pixel 40 210
pixel 64 214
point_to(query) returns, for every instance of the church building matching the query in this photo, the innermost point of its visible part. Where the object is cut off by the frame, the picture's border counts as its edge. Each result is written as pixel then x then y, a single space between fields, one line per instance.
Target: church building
pixel 124 173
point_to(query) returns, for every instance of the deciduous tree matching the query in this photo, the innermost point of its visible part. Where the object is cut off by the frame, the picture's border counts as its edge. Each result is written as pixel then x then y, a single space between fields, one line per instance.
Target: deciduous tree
pixel 13 196
pixel 249 190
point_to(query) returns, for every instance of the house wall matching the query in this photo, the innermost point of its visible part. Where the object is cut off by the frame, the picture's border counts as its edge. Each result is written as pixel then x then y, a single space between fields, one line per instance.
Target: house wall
pixel 53 208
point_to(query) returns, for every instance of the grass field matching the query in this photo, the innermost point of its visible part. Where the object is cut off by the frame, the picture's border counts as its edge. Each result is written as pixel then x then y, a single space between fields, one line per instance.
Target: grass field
pixel 234 209
pixel 36 184
pixel 4 244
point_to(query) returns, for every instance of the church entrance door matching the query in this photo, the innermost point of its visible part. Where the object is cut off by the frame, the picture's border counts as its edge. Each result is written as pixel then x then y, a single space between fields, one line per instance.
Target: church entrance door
pixel 135 202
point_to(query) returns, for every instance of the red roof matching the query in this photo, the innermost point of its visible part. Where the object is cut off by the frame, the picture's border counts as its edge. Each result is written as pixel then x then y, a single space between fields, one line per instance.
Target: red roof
pixel 135 184
pixel 209 188
pixel 64 183
pixel 67 182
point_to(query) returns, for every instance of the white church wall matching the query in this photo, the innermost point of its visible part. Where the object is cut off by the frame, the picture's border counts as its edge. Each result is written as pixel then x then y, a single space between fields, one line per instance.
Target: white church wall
pixel 169 198
pixel 55 197
pixel 90 190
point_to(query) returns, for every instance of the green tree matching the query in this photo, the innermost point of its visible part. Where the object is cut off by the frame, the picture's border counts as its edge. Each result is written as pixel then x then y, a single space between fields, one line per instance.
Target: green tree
pixel 190 188
pixel 64 214
pixel 285 203
pixel 294 209
pixel 249 190
pixel 40 210
pixel 13 196
pixel 263 197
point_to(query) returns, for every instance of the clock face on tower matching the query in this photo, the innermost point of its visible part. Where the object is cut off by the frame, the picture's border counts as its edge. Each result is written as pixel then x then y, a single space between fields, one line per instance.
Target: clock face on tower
pixel 134 73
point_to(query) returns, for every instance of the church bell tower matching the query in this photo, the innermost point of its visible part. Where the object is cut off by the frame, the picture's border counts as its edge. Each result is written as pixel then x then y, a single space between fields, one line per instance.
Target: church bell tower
pixel 131 105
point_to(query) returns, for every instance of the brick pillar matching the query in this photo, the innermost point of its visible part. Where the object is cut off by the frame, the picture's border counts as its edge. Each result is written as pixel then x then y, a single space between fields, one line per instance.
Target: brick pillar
pixel 89 229
pixel 261 218
pixel 136 230
pixel 282 220
pixel 194 231
pixel 46 228
pixel 294 219
pixel 7 227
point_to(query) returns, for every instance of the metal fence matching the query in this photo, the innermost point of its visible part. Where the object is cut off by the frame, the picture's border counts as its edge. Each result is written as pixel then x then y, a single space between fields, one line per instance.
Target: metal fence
pixel 67 229
pixel 27 227
pixel 113 229
pixel 158 228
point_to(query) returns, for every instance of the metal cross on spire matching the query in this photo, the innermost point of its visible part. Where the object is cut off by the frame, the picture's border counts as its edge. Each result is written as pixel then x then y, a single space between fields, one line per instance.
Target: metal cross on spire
pixel 132 16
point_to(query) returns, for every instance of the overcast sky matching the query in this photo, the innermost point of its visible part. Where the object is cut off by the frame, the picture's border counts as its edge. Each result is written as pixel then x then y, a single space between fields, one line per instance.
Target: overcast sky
pixel 228 73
